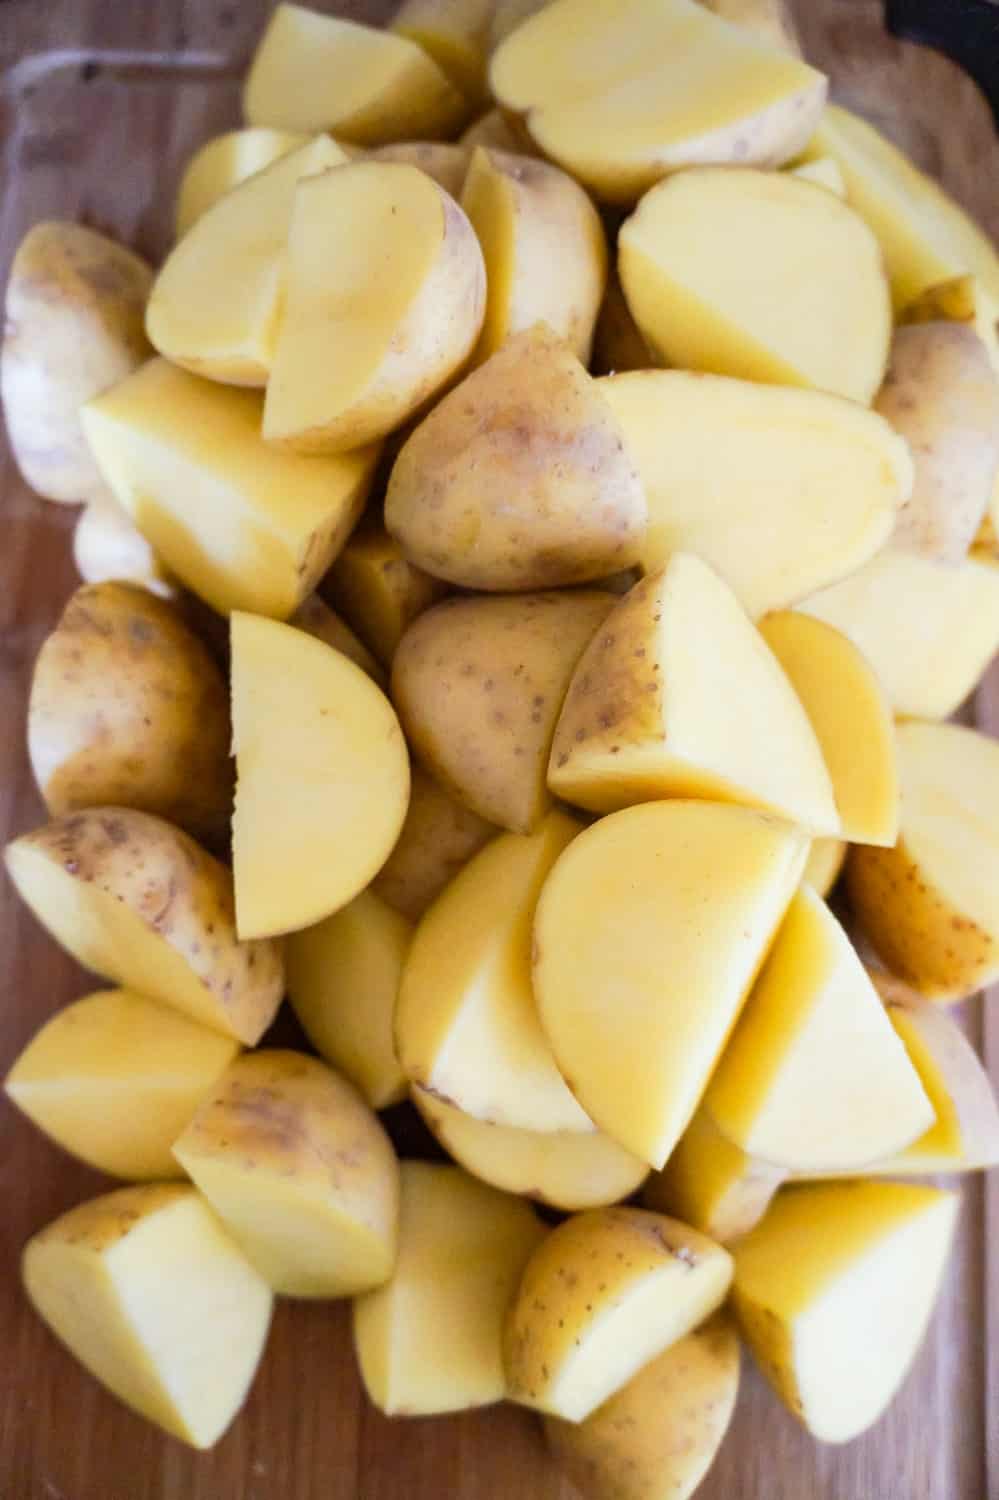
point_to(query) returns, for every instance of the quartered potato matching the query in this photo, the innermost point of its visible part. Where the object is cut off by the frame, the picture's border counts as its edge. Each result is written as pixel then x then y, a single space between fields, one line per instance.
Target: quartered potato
pixel 445 161
pixel 439 836
pixel 223 162
pixel 711 1183
pixel 455 33
pixel 378 590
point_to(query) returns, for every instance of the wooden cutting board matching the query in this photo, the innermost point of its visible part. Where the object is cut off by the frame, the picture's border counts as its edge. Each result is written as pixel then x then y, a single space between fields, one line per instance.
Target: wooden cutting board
pixel 100 103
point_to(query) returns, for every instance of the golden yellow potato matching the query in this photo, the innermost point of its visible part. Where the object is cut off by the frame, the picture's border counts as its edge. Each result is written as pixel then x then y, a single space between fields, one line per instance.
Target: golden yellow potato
pixel 851 717
pixel 137 901
pixel 343 983
pixel 712 1184
pixel 455 33
pixel 769 20
pixel 114 1078
pixel 73 325
pixel 438 838
pixel 617 343
pixel 128 708
pixel 150 1294
pixel 808 307
pixel 960 299
pixel 519 478
pixel 825 861
pixel 617 959
pixel 446 163
pixel 315 72
pixel 668 86
pixel 493 129
pixel 930 905
pixel 605 1293
pixel 107 546
pixel 650 713
pixel 304 847
pixel 656 1438
pixel 819 477
pixel 430 1340
pixel 478 685
pixel 243 525
pixel 544 249
pixel 300 1172
pixel 833 1291
pixel 225 161
pixel 378 591
pixel 315 617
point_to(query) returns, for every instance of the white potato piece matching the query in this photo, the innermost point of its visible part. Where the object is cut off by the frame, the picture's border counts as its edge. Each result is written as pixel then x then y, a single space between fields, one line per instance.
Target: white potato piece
pixel 825 860
pixel 107 546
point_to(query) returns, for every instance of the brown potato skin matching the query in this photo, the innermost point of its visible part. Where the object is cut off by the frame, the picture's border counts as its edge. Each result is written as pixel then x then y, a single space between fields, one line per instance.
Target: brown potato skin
pixel 439 837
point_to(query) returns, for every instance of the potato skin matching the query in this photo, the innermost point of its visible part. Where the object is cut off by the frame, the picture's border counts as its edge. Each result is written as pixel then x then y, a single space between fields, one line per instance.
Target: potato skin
pixel 107 544
pixel 316 618
pixel 438 838
pixel 128 708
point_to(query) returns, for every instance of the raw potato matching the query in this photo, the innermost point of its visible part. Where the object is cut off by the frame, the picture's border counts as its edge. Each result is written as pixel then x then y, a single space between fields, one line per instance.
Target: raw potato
pixel 149 1293
pixel 343 982
pixel 825 171
pixel 242 524
pixel 960 299
pixel 804 303
pixel 678 695
pixel 604 1294
pixel 107 546
pixel 564 1169
pixel 813 1076
pixel 466 1026
pixel 508 15
pixel 378 591
pixel 493 129
pixel 114 1078
pixel 216 304
pixel 225 161
pixel 128 709
pixel 544 249
pixel 402 309
pixel 616 960
pixel 300 1172
pixel 667 85
pixel 833 1291
pixel 709 1183
pixel 137 901
pixel 930 906
pixel 852 719
pixel 429 1341
pixel 656 1438
pixel 825 860
pixel 73 325
pixel 770 20
pixel 819 478
pixel 447 164
pixel 438 838
pixel 942 395
pixel 478 685
pixel 313 72
pixel 455 33
pixel 617 343
pixel 304 847
pixel 519 478
pixel 315 617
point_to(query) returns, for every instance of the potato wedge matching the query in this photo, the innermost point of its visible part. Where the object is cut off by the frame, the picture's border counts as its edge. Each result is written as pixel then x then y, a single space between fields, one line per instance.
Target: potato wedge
pixel 825 861
pixel 769 20
pixel 137 901
pixel 438 838
pixel 711 1184
pixel 824 171
pixel 707 888
pixel 315 617
pixel 298 703
pixel 225 161
pixel 833 1291
pixel 455 33
pixel 301 1173
pixel 605 1293
pixel 462 1248
pixel 151 1295
pixel 445 162
pixel 478 685
pixel 808 305
pixel 960 299
pixel 519 478
pixel 378 591
pixel 493 129
pixel 106 546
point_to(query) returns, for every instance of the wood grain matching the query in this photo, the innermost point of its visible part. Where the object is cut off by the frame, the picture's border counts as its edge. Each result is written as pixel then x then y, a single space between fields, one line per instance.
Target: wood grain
pixel 99 105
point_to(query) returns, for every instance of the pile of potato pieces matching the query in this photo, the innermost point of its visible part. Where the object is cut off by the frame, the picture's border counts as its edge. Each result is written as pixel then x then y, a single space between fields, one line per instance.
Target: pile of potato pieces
pixel 670 645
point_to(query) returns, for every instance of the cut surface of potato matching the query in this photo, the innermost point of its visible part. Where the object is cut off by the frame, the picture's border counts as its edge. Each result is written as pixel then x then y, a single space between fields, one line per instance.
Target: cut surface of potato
pixel 151 1295
pixel 462 1248
pixel 383 268
pixel 455 33
pixel 242 524
pixel 134 899
pixel 445 162
pixel 820 478
pixel 605 1293
pixel 114 1078
pixel 315 617
pixel 438 838
pixel 852 719
pixel 833 1291
pixel 804 303
pixel 225 161
pixel 300 1172
pixel 466 1026
pixel 656 1438
pixel 711 1184
pixel 678 695
pixel 620 97
pixel 825 861
pixel 617 960
pixel 479 684
pixel 106 545
pixel 813 1075
pixel 960 299
pixel 770 20
pixel 378 591
pixel 825 171
pixel 322 777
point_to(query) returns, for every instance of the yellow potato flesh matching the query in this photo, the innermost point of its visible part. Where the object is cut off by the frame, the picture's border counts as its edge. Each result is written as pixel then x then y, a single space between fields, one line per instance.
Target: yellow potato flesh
pixel 643 910
pixel 804 303
pixel 114 1078
pixel 825 860
pixel 833 1291
pixel 851 717
pixel 770 20
pixel 430 1340
pixel 322 777
pixel 146 1289
pixel 225 161
pixel 242 525
pixel 804 489
pixel 959 299
pixel 825 171
pixel 712 1184
pixel 444 161
pixel 455 33
pixel 438 838
pixel 381 593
